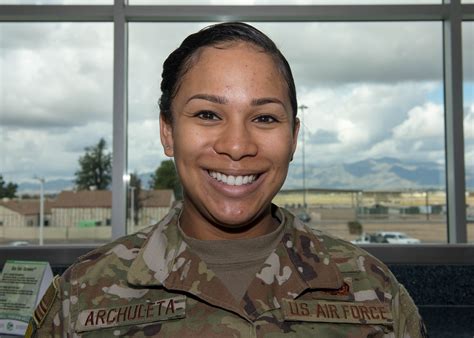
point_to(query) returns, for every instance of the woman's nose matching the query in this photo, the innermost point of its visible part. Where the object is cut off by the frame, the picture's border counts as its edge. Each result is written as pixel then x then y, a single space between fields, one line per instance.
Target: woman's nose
pixel 236 141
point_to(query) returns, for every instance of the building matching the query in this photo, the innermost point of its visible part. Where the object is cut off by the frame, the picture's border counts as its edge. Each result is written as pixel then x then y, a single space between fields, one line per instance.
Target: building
pixel 88 208
pixel 155 204
pixel 24 213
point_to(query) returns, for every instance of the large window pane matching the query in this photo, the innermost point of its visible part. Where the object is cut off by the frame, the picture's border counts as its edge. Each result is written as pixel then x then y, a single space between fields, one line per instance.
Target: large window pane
pixel 55 100
pixel 373 127
pixel 468 68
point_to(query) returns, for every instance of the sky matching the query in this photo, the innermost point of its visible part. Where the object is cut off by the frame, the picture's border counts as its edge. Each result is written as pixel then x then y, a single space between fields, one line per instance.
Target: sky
pixel 372 90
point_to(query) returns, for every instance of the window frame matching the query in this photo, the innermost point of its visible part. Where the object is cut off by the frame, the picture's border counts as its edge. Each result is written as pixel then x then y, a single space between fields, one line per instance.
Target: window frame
pixel 451 12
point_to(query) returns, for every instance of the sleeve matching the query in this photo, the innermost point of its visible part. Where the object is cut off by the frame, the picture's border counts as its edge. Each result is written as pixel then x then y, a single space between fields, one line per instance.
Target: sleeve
pixel 408 322
pixel 48 318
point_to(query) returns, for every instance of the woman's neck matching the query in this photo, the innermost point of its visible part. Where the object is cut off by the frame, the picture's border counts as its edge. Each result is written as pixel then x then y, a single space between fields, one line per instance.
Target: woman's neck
pixel 196 225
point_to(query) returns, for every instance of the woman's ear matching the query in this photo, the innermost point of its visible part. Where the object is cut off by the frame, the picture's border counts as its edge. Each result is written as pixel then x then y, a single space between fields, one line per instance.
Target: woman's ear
pixel 166 136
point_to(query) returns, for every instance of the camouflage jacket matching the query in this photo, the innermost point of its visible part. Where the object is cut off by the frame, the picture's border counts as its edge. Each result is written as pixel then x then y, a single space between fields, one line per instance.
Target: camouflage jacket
pixel 150 284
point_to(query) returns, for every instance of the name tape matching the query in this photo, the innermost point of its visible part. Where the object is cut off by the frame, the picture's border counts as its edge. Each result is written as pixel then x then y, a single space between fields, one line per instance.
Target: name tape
pixel 337 312
pixel 132 314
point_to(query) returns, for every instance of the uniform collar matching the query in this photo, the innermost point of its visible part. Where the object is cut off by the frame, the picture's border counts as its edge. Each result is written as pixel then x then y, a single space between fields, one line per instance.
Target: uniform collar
pixel 300 262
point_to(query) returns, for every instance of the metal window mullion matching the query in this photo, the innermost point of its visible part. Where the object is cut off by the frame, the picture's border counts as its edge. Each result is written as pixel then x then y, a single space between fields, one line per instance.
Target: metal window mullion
pixel 453 89
pixel 119 168
pixel 286 13
pixel 54 13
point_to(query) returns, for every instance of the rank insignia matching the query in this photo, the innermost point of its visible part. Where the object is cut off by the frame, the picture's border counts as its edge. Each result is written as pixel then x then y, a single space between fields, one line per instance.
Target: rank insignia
pixel 46 303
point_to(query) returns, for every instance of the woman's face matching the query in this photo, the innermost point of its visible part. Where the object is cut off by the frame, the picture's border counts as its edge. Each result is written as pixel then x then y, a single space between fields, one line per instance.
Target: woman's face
pixel 232 136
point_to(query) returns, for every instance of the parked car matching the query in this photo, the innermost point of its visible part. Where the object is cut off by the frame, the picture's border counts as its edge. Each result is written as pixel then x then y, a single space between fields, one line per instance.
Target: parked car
pixel 19 243
pixel 304 217
pixel 365 238
pixel 394 237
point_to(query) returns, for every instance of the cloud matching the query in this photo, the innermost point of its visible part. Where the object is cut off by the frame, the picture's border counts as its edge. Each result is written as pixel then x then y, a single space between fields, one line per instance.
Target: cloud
pixel 28 152
pixel 328 53
pixel 423 121
pixel 64 81
pixel 145 152
pixel 322 136
pixel 363 113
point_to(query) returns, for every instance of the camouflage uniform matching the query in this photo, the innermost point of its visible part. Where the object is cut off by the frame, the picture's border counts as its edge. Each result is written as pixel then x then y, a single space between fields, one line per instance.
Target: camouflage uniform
pixel 150 284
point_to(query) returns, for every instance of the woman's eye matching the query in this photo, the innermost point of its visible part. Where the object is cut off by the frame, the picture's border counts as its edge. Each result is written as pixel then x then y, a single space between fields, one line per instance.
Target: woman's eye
pixel 265 119
pixel 207 115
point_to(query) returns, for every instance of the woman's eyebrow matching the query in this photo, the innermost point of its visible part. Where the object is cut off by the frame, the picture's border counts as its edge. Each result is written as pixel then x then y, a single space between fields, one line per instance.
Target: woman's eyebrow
pixel 266 100
pixel 209 97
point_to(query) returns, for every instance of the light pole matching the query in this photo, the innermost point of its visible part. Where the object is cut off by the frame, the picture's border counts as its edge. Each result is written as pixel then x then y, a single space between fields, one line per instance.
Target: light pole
pixel 132 207
pixel 41 180
pixel 302 108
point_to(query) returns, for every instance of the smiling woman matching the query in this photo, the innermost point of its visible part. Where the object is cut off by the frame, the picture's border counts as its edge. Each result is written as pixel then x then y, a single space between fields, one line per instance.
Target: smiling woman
pixel 227 262
pixel 242 128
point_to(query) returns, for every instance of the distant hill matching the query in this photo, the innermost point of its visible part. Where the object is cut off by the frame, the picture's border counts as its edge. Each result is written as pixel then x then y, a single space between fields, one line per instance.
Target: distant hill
pixel 373 174
pixel 50 186
pixel 57 185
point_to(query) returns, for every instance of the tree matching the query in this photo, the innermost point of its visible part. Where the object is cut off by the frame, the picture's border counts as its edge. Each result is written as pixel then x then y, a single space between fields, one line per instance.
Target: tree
pixel 165 177
pixel 136 184
pixel 95 168
pixel 7 190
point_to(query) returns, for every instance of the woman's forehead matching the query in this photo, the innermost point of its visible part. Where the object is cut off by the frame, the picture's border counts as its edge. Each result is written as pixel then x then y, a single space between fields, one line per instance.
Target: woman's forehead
pixel 235 64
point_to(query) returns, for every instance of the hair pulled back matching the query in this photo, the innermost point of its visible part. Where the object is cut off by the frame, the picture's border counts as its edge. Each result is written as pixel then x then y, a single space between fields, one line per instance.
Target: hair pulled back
pixel 181 59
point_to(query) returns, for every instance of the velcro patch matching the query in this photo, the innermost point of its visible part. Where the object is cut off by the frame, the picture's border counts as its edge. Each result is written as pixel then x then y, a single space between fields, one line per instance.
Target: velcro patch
pixel 46 302
pixel 132 314
pixel 345 292
pixel 337 312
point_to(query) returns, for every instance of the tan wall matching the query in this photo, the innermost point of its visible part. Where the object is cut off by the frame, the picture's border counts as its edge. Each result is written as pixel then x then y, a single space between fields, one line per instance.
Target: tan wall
pixel 334 214
pixel 50 233
pixel 10 218
pixel 366 199
pixel 70 217
pixel 148 216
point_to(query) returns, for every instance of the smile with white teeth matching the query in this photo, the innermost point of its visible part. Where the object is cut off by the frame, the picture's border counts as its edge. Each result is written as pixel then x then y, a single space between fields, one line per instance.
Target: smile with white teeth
pixel 232 180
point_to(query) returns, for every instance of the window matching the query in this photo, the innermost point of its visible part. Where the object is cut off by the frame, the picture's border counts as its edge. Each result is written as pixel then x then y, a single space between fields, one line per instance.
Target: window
pixel 373 122
pixel 56 101
pixel 37 115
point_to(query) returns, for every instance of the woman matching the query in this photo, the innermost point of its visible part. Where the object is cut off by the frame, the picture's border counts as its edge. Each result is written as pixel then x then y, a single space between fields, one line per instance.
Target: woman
pixel 226 262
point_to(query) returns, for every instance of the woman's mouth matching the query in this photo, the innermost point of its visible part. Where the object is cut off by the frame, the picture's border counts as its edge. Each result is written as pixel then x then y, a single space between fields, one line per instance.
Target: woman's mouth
pixel 231 179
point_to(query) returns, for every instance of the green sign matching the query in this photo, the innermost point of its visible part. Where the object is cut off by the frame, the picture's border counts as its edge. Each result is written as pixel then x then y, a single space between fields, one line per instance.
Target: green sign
pixel 87 224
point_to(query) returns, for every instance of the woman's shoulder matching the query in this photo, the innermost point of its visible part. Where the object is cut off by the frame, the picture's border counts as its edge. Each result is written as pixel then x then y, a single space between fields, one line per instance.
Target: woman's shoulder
pixel 351 261
pixel 351 258
pixel 110 259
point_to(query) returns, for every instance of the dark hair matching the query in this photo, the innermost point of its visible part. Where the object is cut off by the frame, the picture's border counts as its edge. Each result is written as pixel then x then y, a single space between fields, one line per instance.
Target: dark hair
pixel 181 59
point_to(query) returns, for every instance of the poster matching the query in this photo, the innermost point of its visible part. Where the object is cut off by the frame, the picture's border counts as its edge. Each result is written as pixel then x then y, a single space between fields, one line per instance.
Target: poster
pixel 22 284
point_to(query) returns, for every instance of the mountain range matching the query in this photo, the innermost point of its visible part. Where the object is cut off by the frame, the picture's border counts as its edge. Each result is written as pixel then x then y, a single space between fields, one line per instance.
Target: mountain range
pixel 372 174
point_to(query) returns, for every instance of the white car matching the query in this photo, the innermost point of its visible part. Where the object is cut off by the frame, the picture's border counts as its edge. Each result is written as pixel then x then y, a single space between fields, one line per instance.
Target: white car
pixel 363 239
pixel 393 237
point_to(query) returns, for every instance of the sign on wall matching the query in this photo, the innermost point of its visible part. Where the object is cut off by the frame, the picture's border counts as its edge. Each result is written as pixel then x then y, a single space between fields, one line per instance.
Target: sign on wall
pixel 22 285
